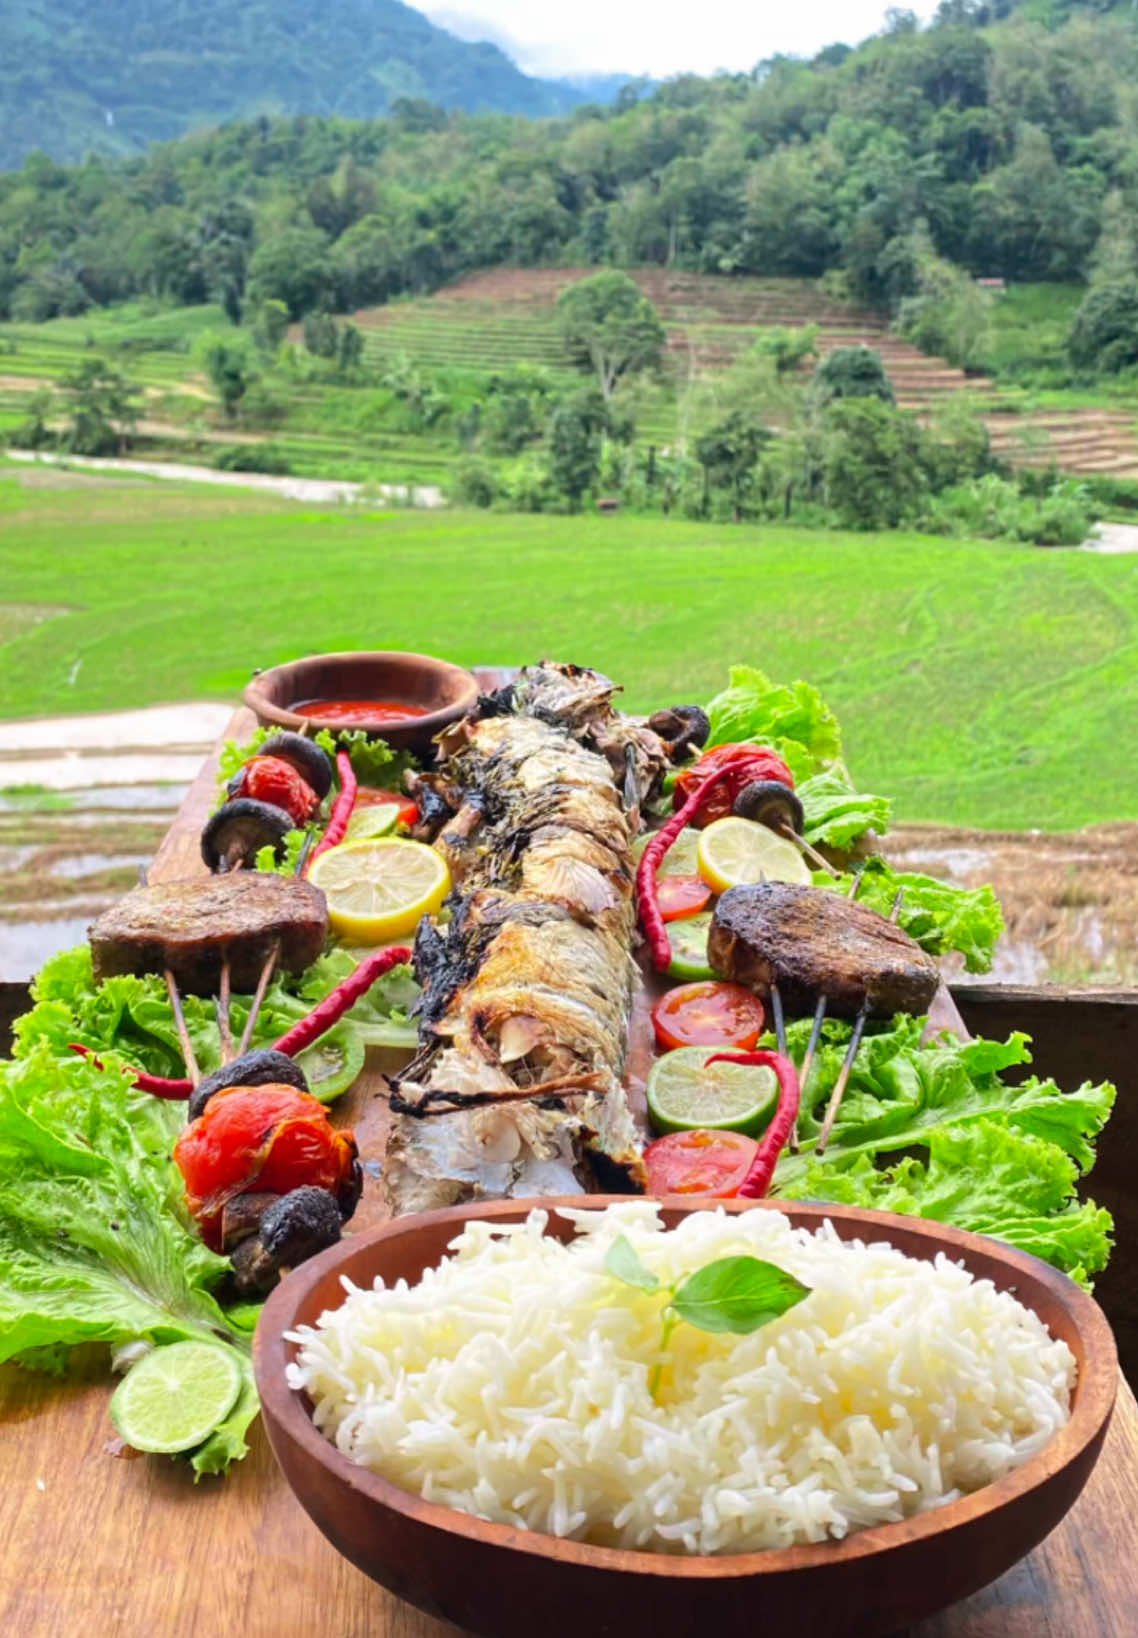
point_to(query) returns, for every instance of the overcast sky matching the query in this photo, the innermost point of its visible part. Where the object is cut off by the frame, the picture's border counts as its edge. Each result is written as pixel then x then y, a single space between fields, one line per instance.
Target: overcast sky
pixel 658 37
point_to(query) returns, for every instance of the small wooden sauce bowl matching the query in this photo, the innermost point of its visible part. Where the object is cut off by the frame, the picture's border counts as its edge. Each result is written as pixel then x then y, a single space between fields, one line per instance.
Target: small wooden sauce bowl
pixel 503 1582
pixel 443 691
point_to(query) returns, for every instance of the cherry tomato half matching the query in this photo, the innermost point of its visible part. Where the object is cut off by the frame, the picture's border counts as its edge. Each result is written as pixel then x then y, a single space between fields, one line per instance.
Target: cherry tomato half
pixel 680 896
pixel 708 1014
pixel 269 779
pixel 699 1162
pixel 750 761
pixel 369 796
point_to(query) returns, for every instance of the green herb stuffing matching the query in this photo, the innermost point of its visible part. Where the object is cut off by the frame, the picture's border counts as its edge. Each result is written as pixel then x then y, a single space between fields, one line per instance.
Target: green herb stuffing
pixel 939 916
pixel 94 1242
pixel 932 1130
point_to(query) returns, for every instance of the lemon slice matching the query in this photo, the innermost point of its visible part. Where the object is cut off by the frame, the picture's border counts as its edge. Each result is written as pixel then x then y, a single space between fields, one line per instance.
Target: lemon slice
pixel 680 859
pixel 686 1094
pixel 378 819
pixel 738 852
pixel 380 889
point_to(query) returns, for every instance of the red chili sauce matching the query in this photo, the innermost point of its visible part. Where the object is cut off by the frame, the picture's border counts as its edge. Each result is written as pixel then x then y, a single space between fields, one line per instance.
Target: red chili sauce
pixel 357 713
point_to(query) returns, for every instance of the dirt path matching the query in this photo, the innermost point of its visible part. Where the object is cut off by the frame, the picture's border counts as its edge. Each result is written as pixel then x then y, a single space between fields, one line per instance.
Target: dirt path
pixel 320 491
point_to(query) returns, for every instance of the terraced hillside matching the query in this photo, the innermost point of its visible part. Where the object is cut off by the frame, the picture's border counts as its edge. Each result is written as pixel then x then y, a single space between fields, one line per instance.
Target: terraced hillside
pixel 489 320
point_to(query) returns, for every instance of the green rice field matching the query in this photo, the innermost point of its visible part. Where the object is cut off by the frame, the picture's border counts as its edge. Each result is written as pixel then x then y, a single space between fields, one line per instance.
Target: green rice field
pixel 979 683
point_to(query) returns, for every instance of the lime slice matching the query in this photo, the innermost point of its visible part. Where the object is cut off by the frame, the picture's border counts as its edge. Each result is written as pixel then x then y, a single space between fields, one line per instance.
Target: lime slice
pixel 683 1095
pixel 738 853
pixel 379 820
pixel 681 858
pixel 380 889
pixel 688 939
pixel 175 1396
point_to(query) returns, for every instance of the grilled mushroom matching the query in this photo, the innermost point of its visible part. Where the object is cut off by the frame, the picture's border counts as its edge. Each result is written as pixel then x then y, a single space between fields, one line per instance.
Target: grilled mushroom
pixel 683 728
pixel 232 837
pixel 293 1227
pixel 264 1067
pixel 311 762
pixel 770 803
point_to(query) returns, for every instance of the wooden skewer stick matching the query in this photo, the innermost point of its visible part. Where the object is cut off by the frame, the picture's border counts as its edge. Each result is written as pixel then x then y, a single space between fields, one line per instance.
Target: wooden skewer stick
pixel 259 996
pixel 808 849
pixel 816 1031
pixel 221 1005
pixel 192 1069
pixel 840 1084
pixel 779 1019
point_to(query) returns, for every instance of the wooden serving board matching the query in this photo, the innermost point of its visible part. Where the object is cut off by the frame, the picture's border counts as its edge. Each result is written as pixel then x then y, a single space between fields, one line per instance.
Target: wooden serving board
pixel 99 1547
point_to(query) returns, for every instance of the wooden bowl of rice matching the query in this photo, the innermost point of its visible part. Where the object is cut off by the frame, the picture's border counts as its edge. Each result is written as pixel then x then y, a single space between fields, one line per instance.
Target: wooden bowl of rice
pixel 505 1582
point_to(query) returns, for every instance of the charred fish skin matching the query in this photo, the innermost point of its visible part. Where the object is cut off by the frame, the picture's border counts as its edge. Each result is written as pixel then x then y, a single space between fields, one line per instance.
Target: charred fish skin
pixel 527 993
pixel 814 943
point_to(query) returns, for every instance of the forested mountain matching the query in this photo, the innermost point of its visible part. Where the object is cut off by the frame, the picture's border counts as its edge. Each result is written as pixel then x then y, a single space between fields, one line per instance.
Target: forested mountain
pixel 1005 144
pixel 87 76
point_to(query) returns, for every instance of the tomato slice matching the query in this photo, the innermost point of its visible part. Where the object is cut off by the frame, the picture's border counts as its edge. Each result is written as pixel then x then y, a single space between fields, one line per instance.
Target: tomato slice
pixel 680 896
pixel 699 1162
pixel 708 1014
pixel 369 796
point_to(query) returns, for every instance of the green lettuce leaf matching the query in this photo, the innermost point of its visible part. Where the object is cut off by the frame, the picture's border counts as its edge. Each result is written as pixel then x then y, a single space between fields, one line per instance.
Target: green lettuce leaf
pixel 751 707
pixel 382 1016
pixel 835 815
pixel 95 1245
pixel 932 1130
pixel 374 762
pixel 938 915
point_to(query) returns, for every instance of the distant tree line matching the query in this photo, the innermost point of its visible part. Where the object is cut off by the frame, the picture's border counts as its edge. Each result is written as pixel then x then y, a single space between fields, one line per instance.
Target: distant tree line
pixel 1008 134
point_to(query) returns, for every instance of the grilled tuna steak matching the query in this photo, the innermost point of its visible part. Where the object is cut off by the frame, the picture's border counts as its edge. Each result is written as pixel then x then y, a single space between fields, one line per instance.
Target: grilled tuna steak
pixel 190 925
pixel 811 943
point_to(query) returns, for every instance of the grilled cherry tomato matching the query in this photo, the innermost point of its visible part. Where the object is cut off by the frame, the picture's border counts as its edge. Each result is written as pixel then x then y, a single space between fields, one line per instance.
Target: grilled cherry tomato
pixel 263 1139
pixel 268 779
pixel 699 1162
pixel 369 796
pixel 708 1014
pixel 751 762
pixel 680 896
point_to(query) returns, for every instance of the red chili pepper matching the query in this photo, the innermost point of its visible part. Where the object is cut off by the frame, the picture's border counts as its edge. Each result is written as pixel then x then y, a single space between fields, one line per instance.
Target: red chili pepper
pixel 269 1139
pixel 342 999
pixel 157 1084
pixel 653 857
pixel 758 1180
pixel 341 811
pixel 318 1022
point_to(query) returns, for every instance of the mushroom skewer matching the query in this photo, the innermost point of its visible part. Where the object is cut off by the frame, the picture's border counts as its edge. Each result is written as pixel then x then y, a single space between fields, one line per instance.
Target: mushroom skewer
pixel 771 803
pixel 816 1033
pixel 842 1081
pixel 192 1069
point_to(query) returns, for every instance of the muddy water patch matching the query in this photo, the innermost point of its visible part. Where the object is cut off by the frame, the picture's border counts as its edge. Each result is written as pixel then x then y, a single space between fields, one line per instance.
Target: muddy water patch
pixel 78 865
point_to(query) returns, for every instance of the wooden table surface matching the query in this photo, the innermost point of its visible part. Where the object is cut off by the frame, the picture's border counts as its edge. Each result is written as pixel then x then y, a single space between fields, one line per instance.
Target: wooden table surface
pixel 99 1547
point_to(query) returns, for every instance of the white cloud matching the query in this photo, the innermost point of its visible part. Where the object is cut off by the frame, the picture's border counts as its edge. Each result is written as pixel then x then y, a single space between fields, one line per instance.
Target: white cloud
pixel 657 37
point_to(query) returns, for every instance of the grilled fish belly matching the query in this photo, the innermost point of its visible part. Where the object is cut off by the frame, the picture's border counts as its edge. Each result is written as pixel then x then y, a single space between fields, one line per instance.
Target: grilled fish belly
pixel 528 991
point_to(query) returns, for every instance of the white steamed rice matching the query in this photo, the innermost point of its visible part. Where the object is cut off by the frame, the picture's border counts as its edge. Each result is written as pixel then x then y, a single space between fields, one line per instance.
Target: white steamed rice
pixel 513 1383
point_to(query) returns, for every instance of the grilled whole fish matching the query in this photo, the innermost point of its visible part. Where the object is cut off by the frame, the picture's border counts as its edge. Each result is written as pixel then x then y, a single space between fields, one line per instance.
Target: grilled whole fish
pixel 527 992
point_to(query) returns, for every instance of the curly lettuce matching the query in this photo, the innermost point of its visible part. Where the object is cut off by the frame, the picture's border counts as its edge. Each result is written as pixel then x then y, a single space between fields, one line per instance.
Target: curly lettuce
pixel 95 1245
pixel 938 915
pixel 930 1129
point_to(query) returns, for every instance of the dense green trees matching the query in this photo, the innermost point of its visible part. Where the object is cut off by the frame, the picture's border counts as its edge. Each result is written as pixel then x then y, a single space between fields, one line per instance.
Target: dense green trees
pixel 988 141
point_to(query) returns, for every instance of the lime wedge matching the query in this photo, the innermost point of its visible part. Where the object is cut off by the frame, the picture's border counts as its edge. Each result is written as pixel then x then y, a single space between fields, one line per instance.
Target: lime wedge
pixel 367 822
pixel 175 1396
pixel 688 939
pixel 683 1095
pixel 681 858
